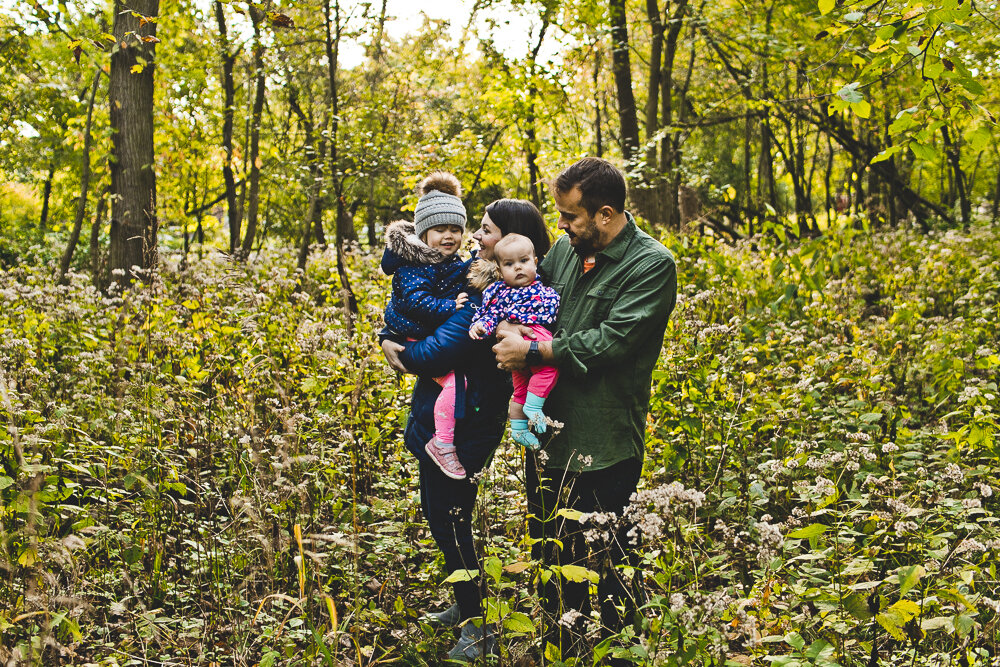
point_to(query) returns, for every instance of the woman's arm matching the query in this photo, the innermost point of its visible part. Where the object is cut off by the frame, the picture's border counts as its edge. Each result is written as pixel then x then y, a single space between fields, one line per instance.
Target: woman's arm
pixel 447 348
pixel 391 350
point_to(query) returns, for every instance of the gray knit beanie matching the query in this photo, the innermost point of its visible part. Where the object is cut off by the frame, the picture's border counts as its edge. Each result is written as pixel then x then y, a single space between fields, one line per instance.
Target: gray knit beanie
pixel 440 203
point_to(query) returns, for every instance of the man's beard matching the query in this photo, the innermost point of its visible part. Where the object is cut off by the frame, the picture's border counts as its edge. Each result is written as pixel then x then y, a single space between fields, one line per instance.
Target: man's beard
pixel 584 246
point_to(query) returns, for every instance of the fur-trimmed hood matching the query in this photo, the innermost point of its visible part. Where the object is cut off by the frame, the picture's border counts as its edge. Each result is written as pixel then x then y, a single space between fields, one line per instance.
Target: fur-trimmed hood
pixel 404 248
pixel 482 274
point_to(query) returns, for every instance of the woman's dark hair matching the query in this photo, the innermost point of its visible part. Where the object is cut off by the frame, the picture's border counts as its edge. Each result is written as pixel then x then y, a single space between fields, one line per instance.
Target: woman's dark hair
pixel 601 184
pixel 517 216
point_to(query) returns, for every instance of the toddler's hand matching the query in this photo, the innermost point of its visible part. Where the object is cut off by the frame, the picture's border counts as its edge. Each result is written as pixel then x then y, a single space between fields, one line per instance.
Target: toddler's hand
pixel 460 300
pixel 477 331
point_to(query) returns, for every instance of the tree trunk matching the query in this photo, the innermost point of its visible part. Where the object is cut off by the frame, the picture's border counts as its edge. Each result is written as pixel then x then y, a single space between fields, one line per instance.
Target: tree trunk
pixel 315 152
pixel 862 153
pixel 373 82
pixel 81 208
pixel 598 139
pixel 623 81
pixel 653 89
pixel 97 275
pixel 747 174
pixel 530 135
pixel 314 219
pixel 996 191
pixel 133 180
pixel 43 220
pixel 830 206
pixel 671 141
pixel 332 53
pixel 253 194
pixel 229 94
pixel 953 152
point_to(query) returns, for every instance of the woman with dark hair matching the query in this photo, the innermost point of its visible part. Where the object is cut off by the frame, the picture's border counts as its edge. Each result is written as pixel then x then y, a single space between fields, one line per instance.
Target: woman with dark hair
pixel 480 417
pixel 511 216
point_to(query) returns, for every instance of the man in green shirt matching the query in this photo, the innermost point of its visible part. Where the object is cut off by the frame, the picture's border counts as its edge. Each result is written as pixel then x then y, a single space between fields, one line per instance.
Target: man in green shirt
pixel 618 287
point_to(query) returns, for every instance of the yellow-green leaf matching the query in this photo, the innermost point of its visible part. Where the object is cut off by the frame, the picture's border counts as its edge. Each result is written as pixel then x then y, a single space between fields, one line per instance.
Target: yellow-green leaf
pixel 906 609
pixel 826 6
pixel 908 578
pixel 518 622
pixel 28 557
pixel 579 574
pixel 809 531
pixel 890 626
pixel 461 575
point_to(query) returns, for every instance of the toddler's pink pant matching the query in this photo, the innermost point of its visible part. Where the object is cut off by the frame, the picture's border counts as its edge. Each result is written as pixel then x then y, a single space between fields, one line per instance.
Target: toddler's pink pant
pixel 539 380
pixel 444 410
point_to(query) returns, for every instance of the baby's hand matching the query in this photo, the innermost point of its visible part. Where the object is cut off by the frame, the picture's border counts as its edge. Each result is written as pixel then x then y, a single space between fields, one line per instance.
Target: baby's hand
pixel 477 331
pixel 460 300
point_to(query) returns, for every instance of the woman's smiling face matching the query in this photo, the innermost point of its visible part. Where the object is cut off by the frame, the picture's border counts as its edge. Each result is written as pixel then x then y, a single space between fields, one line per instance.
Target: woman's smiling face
pixel 487 236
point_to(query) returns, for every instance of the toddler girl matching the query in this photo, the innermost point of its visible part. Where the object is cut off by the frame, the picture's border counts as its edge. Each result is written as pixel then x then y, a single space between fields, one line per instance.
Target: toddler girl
pixel 427 278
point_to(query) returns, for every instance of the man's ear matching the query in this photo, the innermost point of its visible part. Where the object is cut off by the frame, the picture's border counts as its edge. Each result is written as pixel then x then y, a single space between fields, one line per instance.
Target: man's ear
pixel 606 213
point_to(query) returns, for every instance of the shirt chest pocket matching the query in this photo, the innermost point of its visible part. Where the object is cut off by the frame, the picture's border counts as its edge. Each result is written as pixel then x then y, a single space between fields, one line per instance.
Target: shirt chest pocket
pixel 597 304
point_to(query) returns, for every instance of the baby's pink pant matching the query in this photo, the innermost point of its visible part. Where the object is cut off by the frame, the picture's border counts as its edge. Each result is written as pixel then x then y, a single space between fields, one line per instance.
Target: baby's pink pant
pixel 539 380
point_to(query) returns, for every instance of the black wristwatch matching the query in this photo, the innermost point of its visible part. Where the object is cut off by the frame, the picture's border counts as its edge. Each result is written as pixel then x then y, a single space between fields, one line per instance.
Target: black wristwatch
pixel 533 357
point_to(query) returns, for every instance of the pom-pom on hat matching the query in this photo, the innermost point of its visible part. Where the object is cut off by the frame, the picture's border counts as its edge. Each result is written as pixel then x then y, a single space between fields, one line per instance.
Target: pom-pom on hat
pixel 439 203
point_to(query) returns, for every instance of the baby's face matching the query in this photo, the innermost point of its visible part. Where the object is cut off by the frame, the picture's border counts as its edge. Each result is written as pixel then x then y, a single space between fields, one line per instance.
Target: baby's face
pixel 517 264
pixel 446 238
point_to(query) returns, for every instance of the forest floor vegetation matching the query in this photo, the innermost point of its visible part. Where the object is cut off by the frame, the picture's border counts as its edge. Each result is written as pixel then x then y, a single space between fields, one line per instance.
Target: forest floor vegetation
pixel 208 469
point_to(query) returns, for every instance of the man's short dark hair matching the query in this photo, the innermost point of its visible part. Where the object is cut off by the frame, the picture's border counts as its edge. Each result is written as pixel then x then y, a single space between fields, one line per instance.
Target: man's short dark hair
pixel 601 184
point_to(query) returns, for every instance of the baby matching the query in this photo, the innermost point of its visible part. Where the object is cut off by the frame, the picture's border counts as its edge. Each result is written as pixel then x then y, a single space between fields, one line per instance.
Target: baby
pixel 519 297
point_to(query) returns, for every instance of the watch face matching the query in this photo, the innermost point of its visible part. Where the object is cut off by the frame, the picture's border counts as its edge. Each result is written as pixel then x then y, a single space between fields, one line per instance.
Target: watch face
pixel 533 356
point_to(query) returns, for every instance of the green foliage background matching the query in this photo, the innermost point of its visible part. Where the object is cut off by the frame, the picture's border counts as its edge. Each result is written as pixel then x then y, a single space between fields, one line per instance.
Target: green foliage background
pixel 208 469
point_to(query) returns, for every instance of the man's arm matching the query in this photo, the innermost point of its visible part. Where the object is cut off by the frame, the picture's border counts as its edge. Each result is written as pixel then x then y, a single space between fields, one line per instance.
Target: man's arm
pixel 641 306
pixel 511 346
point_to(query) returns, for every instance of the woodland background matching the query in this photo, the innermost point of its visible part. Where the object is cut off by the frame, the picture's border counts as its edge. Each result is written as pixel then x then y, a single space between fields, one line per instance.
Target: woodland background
pixel 201 454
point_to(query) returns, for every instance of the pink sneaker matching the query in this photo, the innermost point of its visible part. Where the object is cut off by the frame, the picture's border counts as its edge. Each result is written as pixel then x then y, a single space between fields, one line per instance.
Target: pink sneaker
pixel 446 459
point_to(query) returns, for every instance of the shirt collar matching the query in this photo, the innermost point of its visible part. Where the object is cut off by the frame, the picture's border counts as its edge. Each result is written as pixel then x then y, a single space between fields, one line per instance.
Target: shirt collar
pixel 619 245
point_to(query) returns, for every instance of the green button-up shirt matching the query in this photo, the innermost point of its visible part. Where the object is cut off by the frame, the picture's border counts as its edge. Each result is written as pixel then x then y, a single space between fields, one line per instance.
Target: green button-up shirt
pixel 608 336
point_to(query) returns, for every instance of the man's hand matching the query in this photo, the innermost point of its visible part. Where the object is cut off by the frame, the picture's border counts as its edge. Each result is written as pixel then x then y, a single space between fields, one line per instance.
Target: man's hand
pixel 511 345
pixel 506 328
pixel 391 350
pixel 460 300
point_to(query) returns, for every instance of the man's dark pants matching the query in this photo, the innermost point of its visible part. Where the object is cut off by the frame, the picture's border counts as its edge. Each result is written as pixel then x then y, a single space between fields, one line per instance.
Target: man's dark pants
pixel 605 490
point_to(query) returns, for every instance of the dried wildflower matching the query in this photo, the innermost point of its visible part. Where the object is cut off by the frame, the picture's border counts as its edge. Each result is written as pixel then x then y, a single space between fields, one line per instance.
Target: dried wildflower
pixel 897 506
pixel 952 473
pixel 824 486
pixel 570 619
pixel 968 393
pixel 969 545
